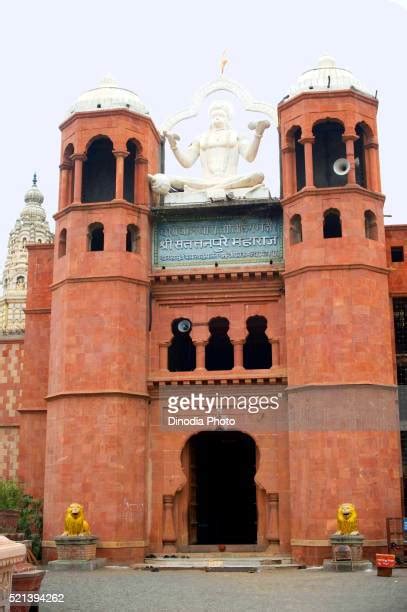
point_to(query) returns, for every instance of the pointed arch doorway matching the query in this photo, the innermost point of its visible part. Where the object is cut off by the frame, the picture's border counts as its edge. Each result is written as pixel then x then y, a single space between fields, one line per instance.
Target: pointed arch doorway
pixel 222 506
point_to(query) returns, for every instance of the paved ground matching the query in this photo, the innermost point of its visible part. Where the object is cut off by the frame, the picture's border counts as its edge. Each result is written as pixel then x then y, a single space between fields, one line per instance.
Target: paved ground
pixel 111 590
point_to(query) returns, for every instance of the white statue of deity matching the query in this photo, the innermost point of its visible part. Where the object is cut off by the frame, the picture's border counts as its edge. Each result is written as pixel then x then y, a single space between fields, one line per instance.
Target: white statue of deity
pixel 219 149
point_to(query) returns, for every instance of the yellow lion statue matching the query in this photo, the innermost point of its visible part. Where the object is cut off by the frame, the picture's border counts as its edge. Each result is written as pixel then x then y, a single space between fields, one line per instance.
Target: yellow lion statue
pixel 347 520
pixel 75 523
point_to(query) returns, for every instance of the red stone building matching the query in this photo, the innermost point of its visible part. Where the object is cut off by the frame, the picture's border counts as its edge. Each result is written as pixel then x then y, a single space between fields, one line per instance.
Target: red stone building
pixel 102 338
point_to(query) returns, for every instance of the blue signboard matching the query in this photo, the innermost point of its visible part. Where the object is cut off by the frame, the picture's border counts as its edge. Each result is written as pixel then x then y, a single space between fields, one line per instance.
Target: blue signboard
pixel 199 241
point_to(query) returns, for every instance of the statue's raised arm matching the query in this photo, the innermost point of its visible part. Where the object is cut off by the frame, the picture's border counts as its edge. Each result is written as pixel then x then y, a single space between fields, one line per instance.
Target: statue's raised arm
pixel 185 158
pixel 249 150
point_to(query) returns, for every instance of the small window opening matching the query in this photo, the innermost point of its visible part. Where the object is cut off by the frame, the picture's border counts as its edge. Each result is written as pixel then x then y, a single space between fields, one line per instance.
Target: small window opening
pixel 295 229
pixel 20 282
pixel 257 348
pixel 132 239
pixel 219 350
pixel 397 254
pixel 62 243
pixel 370 225
pixel 332 224
pixel 96 238
pixel 182 351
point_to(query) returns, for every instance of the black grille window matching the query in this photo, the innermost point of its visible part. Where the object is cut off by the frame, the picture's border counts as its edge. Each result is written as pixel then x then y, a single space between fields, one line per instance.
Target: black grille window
pixel 400 324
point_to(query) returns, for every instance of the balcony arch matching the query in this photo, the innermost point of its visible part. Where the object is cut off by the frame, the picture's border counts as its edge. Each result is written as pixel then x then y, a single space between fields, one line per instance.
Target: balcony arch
pixel 99 171
pixel 133 149
pixel 327 148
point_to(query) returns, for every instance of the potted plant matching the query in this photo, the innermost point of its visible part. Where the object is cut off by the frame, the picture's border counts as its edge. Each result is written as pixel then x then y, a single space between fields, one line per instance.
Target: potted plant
pixel 11 498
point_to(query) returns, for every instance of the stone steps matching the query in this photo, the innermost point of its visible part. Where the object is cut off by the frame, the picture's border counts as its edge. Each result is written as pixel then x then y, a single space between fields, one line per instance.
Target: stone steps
pixel 219 562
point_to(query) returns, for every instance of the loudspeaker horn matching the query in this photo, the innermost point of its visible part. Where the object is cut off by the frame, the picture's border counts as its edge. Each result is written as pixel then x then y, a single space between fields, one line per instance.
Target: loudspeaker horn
pixel 184 326
pixel 341 166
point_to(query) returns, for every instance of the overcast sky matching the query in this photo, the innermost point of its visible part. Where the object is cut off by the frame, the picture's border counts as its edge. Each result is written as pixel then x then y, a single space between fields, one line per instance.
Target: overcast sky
pixel 165 50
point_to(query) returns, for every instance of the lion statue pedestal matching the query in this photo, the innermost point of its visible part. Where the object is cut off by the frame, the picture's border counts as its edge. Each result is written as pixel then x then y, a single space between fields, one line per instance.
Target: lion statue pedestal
pixel 347 542
pixel 76 547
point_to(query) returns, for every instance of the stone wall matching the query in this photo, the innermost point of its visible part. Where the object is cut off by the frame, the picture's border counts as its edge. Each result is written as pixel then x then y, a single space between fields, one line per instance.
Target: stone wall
pixel 11 360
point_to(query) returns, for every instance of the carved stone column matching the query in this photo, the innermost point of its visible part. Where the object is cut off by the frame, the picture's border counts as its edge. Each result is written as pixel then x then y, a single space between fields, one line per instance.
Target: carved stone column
pixel 272 532
pixel 169 535
pixel 372 166
pixel 141 180
pixel 78 159
pixel 275 352
pixel 290 178
pixel 200 354
pixel 309 164
pixel 349 140
pixel 238 353
pixel 163 355
pixel 64 184
pixel 120 157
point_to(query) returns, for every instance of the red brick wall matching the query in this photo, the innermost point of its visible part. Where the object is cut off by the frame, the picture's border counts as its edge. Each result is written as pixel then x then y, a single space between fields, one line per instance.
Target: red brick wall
pixel 11 364
pixel 35 377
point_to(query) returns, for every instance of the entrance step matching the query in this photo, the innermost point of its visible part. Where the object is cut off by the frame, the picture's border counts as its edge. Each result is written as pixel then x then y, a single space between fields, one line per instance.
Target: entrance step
pixel 219 562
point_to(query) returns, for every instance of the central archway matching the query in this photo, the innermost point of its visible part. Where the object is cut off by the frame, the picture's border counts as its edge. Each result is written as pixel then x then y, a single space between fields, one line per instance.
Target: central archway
pixel 222 490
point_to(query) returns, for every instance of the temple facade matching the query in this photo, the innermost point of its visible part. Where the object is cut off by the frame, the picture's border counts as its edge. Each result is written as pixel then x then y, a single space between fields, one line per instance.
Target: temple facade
pixel 163 292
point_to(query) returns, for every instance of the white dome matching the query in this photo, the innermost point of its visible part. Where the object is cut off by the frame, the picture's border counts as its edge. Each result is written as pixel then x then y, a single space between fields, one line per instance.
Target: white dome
pixel 326 76
pixel 33 204
pixel 107 96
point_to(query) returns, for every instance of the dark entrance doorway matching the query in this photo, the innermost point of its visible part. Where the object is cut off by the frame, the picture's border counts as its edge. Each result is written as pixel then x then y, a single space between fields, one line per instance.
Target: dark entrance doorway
pixel 222 507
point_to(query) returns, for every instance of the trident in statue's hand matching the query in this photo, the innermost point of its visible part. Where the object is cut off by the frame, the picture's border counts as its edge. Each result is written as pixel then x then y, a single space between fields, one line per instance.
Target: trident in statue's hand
pixel 259 126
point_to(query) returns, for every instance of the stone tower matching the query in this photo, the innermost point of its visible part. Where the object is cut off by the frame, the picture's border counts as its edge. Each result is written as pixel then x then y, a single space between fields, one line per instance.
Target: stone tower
pixel 31 227
pixel 97 399
pixel 344 444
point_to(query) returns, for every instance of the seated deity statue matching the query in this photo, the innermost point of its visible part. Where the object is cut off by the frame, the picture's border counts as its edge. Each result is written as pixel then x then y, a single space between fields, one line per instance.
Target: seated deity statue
pixel 219 149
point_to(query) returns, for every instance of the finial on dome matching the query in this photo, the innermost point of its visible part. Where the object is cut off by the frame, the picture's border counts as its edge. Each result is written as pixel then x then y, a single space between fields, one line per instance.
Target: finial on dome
pixel 35 179
pixel 326 61
pixel 108 81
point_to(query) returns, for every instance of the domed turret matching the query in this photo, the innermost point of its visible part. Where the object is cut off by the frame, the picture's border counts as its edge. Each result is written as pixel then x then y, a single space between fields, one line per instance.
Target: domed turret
pixel 31 227
pixel 33 199
pixel 327 75
pixel 107 96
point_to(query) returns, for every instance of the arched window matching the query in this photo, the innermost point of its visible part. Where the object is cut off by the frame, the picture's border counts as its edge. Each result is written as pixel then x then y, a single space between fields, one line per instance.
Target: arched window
pixel 219 350
pixel 20 282
pixel 99 172
pixel 359 151
pixel 132 239
pixel 257 348
pixel 181 352
pixel 327 148
pixel 129 171
pixel 62 243
pixel 96 238
pixel 370 225
pixel 299 159
pixel 295 229
pixel 332 223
